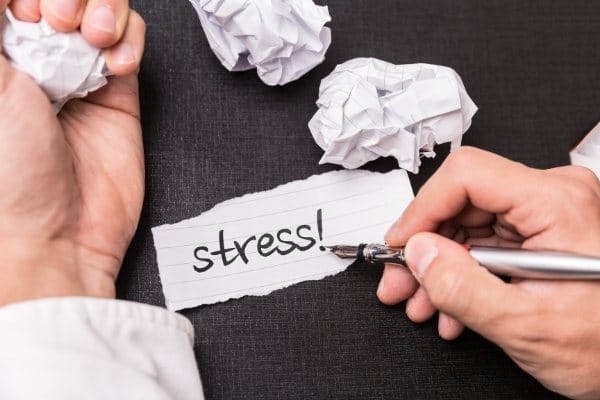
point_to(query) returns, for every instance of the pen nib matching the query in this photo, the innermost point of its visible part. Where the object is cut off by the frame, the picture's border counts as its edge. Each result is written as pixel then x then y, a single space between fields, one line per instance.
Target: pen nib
pixel 344 251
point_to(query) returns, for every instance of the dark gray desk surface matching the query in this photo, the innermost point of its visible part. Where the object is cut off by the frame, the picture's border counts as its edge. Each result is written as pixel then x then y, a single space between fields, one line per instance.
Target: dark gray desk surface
pixel 533 67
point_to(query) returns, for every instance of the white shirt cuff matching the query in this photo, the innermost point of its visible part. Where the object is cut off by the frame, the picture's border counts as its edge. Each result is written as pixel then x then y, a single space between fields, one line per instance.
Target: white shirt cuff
pixel 88 348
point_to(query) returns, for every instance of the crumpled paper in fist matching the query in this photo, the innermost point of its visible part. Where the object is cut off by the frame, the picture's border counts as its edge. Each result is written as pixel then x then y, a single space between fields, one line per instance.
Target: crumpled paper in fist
pixel 369 108
pixel 64 65
pixel 282 39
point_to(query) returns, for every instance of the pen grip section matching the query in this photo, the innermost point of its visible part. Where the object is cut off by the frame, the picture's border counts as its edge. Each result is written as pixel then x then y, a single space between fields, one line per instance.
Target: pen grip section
pixel 381 254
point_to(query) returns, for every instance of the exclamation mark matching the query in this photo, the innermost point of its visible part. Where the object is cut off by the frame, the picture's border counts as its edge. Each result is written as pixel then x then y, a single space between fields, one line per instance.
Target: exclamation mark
pixel 320 228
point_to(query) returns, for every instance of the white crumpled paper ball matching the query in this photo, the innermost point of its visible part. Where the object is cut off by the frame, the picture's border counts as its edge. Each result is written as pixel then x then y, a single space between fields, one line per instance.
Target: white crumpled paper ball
pixel 369 108
pixel 64 65
pixel 282 39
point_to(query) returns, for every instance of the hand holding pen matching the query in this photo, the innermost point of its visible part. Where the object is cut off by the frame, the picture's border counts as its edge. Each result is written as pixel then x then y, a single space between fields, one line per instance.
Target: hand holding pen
pixel 550 328
pixel 516 263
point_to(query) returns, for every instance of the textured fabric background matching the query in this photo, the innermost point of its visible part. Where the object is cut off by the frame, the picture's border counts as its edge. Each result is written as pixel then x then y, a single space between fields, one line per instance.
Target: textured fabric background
pixel 533 67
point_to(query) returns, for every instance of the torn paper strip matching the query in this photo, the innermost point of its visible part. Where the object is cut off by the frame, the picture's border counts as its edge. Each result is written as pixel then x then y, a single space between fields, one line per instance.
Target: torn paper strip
pixel 587 152
pixel 265 241
pixel 64 65
pixel 369 108
pixel 282 39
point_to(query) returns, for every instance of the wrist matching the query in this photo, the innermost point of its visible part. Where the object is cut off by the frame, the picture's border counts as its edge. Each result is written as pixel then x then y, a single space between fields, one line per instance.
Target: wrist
pixel 33 268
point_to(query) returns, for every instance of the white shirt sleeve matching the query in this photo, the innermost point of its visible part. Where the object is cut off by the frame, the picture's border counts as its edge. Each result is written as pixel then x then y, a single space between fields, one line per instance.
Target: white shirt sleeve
pixel 87 348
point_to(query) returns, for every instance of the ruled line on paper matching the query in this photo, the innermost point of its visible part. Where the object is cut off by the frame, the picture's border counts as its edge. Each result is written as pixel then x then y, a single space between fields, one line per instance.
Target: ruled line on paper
pixel 360 174
pixel 241 201
pixel 274 230
pixel 365 193
pixel 251 270
pixel 236 253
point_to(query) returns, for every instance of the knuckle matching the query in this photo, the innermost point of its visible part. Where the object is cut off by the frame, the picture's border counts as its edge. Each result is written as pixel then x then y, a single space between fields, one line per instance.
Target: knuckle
pixel 583 195
pixel 137 19
pixel 574 191
pixel 587 175
pixel 463 157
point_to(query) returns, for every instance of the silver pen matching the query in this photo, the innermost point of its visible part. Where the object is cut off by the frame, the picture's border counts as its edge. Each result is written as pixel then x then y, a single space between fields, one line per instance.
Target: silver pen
pixel 516 263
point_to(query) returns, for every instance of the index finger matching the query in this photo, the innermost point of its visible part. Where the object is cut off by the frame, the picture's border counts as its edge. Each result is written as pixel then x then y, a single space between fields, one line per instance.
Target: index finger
pixel 468 176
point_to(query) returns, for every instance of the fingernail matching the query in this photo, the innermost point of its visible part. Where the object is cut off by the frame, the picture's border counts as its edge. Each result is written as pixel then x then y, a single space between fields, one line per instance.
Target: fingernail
pixel 124 54
pixel 65 10
pixel 390 232
pixel 410 307
pixel 381 286
pixel 103 19
pixel 30 7
pixel 420 255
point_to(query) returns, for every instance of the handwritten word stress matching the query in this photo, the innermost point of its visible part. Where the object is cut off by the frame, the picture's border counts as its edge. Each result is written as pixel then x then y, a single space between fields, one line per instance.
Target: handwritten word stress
pixel 266 241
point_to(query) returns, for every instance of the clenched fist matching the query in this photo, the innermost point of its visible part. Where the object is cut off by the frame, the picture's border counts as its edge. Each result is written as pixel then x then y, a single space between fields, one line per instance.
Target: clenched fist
pixel 72 183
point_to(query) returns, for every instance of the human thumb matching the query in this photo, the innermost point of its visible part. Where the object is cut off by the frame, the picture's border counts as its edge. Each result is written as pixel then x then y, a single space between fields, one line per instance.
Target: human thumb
pixel 458 286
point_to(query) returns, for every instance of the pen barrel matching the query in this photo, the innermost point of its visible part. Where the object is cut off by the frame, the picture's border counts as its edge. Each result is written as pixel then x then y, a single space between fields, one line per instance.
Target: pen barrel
pixel 519 263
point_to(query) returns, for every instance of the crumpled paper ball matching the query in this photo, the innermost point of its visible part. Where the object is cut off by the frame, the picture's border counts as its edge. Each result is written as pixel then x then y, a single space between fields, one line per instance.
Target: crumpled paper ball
pixel 369 108
pixel 587 152
pixel 282 39
pixel 64 65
